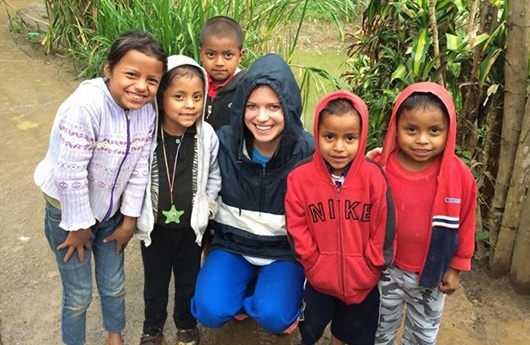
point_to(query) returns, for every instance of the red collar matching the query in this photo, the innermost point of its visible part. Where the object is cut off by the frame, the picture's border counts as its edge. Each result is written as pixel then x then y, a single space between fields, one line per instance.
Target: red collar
pixel 213 88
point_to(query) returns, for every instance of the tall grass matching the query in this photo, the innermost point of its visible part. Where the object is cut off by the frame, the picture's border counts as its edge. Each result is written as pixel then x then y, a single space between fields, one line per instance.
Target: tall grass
pixel 85 29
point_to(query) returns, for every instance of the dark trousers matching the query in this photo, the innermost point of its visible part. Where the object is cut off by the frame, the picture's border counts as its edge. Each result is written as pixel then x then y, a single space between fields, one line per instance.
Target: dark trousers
pixel 171 250
pixel 352 324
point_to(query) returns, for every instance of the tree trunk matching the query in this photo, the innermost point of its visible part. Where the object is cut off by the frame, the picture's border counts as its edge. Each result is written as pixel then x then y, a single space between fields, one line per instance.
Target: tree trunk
pixel 520 269
pixel 503 229
pixel 480 249
pixel 488 158
pixel 435 40
pixel 472 95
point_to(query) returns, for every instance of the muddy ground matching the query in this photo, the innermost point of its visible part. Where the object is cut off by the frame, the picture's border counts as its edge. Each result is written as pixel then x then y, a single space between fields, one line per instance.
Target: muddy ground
pixel 484 311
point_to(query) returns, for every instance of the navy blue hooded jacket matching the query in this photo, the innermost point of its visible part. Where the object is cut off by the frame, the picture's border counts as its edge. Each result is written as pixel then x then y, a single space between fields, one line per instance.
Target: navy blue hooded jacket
pixel 251 217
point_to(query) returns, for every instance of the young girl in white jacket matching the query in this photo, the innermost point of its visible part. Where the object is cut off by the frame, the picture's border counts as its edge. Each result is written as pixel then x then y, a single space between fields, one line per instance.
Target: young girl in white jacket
pixel 183 186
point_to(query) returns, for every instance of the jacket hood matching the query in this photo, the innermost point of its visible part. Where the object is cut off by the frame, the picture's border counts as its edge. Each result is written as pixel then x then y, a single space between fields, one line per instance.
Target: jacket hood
pixel 273 71
pixel 101 83
pixel 175 61
pixel 361 108
pixel 390 142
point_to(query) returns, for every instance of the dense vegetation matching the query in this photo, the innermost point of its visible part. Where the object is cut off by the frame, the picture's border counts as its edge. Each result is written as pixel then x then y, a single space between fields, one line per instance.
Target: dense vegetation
pixel 84 30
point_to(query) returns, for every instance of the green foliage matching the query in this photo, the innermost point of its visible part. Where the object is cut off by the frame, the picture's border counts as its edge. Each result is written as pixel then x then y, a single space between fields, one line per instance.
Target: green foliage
pixel 27 28
pixel 465 155
pixel 396 47
pixel 483 236
pixel 71 24
pixel 85 29
pixel 324 11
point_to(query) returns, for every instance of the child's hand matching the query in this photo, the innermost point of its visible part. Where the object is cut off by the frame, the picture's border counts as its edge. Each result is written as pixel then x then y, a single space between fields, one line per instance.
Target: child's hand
pixel 76 241
pixel 450 281
pixel 374 153
pixel 123 234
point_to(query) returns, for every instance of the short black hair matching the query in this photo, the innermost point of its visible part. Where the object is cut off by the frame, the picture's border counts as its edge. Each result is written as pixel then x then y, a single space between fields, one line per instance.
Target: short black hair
pixel 221 27
pixel 422 100
pixel 339 106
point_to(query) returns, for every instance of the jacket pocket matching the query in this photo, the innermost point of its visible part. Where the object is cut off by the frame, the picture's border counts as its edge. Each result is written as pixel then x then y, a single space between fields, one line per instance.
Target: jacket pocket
pixel 324 275
pixel 53 213
pixel 359 275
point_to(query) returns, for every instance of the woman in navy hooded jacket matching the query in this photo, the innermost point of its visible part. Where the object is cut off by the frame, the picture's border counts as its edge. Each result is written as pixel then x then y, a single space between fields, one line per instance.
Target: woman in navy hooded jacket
pixel 264 141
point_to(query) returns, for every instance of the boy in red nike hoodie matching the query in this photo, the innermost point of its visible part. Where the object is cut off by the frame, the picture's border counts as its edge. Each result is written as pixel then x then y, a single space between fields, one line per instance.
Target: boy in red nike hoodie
pixel 435 196
pixel 340 220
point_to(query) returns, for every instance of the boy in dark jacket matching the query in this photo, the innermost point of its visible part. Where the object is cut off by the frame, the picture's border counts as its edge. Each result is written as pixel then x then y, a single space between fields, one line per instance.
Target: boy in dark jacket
pixel 341 222
pixel 221 50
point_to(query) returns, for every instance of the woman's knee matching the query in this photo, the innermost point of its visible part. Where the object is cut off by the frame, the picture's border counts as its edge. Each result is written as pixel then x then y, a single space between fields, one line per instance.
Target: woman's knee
pixel 273 319
pixel 211 315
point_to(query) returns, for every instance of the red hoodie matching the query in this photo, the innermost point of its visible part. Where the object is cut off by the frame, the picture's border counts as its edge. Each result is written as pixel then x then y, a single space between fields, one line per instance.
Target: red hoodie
pixel 452 232
pixel 344 236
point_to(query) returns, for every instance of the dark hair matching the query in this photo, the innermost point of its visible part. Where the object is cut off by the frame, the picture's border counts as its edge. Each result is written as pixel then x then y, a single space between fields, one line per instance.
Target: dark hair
pixel 136 40
pixel 422 100
pixel 178 72
pixel 221 27
pixel 340 106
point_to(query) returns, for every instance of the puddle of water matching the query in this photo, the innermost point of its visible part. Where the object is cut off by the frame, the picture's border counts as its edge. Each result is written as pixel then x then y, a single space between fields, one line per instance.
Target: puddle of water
pixel 329 60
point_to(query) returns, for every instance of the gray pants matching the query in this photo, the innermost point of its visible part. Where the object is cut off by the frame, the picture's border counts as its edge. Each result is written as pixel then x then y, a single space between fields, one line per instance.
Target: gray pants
pixel 423 313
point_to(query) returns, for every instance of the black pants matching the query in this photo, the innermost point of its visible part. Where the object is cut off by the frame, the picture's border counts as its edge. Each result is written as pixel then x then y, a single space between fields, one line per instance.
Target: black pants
pixel 171 250
pixel 352 324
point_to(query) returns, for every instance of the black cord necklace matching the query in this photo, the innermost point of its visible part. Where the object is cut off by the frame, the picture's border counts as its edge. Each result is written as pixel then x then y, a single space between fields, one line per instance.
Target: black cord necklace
pixel 172 215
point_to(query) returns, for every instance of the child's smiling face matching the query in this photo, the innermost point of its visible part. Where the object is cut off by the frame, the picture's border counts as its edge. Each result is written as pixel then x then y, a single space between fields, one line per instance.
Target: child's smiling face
pixel 183 102
pixel 134 79
pixel 421 135
pixel 338 140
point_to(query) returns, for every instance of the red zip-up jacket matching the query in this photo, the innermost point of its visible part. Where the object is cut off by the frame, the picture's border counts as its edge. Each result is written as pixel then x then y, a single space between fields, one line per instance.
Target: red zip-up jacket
pixel 343 237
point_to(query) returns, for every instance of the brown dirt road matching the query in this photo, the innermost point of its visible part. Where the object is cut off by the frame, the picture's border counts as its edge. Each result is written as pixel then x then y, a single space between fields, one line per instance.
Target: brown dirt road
pixel 484 311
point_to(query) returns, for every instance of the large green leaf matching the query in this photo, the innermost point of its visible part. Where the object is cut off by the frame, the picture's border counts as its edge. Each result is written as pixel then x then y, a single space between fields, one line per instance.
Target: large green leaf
pixel 399 73
pixel 480 39
pixel 419 51
pixel 487 64
pixel 453 41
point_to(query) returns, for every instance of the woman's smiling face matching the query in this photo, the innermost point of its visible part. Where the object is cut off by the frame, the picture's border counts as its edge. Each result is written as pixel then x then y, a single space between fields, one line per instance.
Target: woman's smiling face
pixel 265 119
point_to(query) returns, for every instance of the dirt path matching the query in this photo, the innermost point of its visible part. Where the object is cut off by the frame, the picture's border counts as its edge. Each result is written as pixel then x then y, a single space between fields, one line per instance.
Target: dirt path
pixel 484 311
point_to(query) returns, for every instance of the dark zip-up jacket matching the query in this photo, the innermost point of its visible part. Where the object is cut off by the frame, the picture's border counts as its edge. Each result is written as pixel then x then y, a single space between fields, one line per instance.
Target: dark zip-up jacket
pixel 218 109
pixel 251 217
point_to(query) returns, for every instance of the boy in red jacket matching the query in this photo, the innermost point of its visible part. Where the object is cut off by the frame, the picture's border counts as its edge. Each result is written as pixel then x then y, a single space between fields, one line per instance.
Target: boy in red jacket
pixel 435 196
pixel 341 221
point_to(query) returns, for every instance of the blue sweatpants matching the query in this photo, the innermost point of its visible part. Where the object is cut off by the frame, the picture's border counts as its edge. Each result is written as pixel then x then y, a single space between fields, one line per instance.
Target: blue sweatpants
pixel 221 291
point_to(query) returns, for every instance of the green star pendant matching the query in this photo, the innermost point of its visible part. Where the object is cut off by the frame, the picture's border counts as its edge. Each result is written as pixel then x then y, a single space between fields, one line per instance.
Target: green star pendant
pixel 173 215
